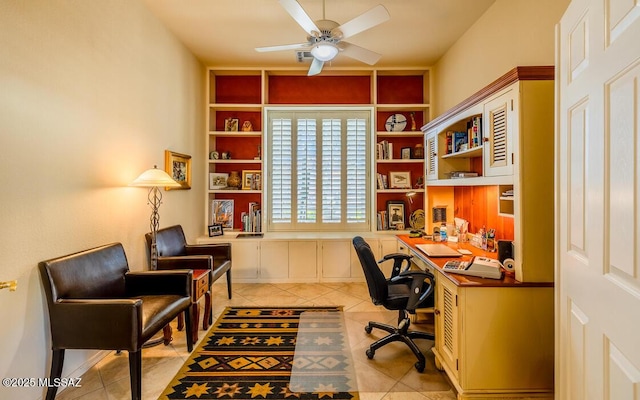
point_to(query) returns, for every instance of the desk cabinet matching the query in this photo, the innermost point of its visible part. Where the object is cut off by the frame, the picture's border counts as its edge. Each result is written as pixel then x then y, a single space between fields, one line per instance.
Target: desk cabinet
pixel 495 342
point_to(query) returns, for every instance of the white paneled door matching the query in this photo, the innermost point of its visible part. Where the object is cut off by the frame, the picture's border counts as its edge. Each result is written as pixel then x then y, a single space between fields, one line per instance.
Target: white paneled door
pixel 598 201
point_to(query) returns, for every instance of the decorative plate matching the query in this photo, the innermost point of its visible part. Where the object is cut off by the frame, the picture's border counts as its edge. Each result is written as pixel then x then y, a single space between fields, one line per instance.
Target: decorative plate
pixel 417 219
pixel 396 123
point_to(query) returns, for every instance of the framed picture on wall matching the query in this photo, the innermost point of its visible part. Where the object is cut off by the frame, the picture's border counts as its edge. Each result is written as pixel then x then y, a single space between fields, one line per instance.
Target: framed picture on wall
pixel 178 166
pixel 222 213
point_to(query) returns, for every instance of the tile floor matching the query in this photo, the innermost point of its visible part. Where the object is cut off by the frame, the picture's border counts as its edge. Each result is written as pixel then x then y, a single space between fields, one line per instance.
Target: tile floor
pixel 389 376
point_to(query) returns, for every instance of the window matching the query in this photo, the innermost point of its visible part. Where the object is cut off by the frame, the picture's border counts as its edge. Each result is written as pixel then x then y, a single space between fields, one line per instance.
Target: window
pixel 318 170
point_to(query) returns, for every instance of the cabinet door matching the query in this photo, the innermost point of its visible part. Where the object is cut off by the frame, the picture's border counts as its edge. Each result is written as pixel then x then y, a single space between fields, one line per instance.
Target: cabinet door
pixel 498 135
pixel 447 323
pixel 274 259
pixel 336 259
pixel 246 259
pixel 303 259
pixel 387 246
pixel 431 155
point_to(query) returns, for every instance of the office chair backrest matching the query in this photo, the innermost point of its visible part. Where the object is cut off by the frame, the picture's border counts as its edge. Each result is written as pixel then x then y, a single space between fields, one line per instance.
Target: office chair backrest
pixel 376 281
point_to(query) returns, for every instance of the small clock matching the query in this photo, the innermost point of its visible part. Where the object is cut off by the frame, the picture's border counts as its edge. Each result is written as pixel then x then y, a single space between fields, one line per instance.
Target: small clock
pixel 396 123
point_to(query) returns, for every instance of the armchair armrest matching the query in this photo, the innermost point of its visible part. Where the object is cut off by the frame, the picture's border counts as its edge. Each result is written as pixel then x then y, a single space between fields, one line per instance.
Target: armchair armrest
pixel 416 279
pixel 96 323
pixel 219 251
pixel 398 259
pixel 176 282
pixel 185 262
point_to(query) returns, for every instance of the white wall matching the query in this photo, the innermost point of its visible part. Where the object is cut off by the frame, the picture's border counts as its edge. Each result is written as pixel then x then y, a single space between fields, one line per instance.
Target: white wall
pixel 91 94
pixel 510 33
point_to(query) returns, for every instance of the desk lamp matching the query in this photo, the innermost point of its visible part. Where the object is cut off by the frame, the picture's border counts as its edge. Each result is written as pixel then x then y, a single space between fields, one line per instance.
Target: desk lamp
pixel 154 179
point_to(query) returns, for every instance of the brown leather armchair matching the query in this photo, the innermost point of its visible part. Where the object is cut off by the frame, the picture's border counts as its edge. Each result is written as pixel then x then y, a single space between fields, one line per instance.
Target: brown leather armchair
pixel 175 253
pixel 95 302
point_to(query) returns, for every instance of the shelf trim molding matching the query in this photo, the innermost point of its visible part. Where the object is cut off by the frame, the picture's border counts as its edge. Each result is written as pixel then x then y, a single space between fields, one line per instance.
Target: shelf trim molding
pixel 534 73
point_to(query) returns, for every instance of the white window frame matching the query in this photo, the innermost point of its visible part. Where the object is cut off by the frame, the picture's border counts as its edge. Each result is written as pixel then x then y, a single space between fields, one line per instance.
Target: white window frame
pixel 302 112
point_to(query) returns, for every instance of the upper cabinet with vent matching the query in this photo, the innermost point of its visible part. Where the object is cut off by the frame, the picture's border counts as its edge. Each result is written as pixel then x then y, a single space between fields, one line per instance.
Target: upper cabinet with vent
pixel 489 160
pixel 475 142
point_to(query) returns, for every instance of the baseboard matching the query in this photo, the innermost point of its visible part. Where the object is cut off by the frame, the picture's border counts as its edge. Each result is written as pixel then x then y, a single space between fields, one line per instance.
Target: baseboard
pixel 85 366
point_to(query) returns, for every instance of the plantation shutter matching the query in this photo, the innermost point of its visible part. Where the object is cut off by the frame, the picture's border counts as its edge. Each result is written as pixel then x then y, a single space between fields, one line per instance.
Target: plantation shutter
pixel 319 170
pixel 281 156
pixel 306 156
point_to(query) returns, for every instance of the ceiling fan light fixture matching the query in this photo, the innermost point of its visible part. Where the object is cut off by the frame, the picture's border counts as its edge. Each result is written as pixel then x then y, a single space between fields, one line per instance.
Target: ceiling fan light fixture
pixel 324 51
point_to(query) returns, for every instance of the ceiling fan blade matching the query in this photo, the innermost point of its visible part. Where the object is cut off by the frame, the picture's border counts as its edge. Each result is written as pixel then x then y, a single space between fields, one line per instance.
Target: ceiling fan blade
pixel 359 53
pixel 282 47
pixel 369 19
pixel 316 67
pixel 302 18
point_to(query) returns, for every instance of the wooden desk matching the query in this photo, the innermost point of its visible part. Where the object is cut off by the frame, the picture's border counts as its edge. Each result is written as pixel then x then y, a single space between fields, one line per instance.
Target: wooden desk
pixel 494 337
pixel 200 288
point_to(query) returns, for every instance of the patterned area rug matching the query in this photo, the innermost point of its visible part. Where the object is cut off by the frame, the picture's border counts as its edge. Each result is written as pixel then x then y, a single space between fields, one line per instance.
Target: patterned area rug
pixel 249 354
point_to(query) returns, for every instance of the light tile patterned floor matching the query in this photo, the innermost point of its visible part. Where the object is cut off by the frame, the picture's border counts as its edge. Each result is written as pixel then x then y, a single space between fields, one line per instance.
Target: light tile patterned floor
pixel 389 376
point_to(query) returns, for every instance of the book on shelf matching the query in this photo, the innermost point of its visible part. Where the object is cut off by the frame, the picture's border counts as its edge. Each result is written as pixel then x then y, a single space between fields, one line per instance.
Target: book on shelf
pixel 251 220
pixel 382 220
pixel 460 141
pixel 384 150
pixel 382 180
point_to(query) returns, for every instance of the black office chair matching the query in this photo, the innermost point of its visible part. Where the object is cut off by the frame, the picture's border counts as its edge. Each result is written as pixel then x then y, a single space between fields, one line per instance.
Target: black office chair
pixel 405 291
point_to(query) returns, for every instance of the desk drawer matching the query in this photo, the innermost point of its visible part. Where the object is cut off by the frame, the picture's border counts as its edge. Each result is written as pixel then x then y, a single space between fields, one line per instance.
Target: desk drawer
pixel 420 263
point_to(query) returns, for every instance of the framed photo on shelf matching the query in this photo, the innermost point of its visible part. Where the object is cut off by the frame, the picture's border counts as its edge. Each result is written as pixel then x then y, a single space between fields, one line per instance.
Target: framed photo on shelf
pixel 222 213
pixel 218 180
pixel 178 166
pixel 400 180
pixel 231 125
pixel 252 179
pixel 395 211
pixel 216 230
pixel 405 153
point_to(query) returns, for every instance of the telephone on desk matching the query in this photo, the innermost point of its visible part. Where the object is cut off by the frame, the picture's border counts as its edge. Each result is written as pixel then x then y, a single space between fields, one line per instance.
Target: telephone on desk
pixel 481 267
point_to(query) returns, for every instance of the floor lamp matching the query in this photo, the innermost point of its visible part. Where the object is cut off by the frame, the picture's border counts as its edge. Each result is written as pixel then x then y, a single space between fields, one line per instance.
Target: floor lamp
pixel 154 179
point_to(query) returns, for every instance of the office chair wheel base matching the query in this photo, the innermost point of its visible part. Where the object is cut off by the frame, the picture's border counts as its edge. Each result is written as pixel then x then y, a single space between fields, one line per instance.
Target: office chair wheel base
pixel 368 328
pixel 370 353
pixel 419 366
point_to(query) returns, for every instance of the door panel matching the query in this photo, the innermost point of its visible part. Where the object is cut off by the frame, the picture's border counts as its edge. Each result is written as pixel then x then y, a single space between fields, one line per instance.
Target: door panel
pixel 598 181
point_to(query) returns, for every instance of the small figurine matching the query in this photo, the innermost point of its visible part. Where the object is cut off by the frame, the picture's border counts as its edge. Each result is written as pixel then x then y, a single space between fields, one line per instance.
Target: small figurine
pixel 247 127
pixel 413 121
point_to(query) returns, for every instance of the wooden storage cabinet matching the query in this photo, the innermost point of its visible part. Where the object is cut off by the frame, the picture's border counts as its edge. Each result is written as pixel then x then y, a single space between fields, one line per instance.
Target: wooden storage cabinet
pixel 495 342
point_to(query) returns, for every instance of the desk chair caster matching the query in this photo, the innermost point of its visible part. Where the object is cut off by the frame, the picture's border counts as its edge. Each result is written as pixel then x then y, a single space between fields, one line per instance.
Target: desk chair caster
pixel 371 351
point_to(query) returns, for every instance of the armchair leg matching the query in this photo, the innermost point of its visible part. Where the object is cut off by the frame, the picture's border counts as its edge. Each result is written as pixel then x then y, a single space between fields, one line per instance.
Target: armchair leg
pixel 135 371
pixel 228 284
pixel 189 328
pixel 56 372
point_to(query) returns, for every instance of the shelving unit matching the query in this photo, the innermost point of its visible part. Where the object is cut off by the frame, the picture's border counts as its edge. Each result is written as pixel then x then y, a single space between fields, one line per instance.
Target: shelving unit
pixel 514 155
pixel 244 93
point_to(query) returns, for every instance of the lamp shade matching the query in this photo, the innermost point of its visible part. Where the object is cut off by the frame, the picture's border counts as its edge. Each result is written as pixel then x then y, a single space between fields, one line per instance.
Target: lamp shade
pixel 324 51
pixel 154 177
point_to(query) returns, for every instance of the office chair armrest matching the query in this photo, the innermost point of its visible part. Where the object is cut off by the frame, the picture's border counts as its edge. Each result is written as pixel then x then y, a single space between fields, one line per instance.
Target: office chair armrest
pixel 185 262
pixel 417 281
pixel 398 259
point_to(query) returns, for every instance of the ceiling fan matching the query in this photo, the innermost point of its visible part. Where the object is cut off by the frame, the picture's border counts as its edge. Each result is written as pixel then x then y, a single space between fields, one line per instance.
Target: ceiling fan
pixel 325 38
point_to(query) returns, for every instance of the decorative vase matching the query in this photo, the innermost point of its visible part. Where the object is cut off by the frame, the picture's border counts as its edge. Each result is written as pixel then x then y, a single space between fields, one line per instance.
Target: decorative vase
pixel 234 180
